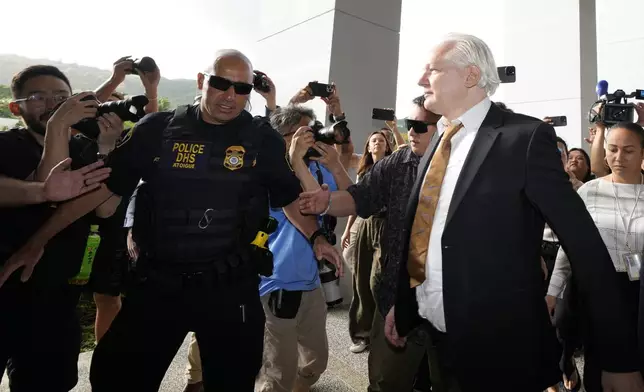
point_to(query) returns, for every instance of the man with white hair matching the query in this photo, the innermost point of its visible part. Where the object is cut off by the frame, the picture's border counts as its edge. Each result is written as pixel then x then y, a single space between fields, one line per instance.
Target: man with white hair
pixel 475 220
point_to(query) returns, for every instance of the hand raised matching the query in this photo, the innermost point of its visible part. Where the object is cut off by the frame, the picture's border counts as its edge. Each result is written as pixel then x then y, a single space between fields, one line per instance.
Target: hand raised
pixel 63 184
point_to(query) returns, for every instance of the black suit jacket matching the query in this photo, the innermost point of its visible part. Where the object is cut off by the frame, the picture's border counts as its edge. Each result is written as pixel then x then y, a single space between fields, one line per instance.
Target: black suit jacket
pixel 498 327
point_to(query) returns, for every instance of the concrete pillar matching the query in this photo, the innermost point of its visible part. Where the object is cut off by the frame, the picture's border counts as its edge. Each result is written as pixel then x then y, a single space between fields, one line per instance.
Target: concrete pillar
pixel 353 43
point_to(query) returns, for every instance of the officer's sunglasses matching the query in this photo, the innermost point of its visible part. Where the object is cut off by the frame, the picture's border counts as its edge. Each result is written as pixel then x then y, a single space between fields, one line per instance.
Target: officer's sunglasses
pixel 418 126
pixel 224 84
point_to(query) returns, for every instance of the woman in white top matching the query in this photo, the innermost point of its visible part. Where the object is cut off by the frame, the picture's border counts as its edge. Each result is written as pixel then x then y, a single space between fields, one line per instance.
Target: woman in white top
pixel 614 203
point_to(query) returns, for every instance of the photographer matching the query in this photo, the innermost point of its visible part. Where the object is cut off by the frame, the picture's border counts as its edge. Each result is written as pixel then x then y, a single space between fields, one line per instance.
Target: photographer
pixel 295 342
pixel 39 330
pixel 350 160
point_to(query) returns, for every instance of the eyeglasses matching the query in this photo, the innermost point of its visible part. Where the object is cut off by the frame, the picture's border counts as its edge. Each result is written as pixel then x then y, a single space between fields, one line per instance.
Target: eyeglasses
pixel 224 84
pixel 418 126
pixel 40 99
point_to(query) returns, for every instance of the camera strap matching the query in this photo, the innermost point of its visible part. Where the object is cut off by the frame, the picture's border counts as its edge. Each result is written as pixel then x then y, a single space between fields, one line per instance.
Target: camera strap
pixel 318 173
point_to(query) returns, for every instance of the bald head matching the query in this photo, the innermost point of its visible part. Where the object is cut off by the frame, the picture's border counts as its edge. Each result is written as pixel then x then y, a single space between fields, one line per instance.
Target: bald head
pixel 230 58
pixel 225 86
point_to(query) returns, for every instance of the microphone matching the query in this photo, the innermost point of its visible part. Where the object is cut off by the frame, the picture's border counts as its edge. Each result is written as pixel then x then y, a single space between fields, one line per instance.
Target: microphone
pixel 602 89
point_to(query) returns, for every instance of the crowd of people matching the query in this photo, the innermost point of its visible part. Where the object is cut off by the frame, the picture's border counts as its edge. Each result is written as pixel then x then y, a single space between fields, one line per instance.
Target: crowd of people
pixel 484 252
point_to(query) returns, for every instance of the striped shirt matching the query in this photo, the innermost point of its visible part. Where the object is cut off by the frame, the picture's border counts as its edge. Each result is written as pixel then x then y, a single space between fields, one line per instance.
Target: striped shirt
pixel 599 197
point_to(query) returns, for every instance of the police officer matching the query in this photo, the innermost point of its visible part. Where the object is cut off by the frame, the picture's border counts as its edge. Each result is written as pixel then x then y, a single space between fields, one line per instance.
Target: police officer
pixel 209 171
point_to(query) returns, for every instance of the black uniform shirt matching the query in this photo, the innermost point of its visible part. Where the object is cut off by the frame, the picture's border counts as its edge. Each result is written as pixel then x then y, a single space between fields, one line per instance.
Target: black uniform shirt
pixel 137 153
pixel 20 155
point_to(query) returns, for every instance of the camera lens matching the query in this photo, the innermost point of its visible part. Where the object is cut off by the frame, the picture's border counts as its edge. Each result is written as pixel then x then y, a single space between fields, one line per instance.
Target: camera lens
pixel 510 71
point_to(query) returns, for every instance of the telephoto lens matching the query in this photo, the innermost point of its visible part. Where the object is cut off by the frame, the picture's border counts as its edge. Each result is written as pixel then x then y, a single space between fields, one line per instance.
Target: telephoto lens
pixel 131 109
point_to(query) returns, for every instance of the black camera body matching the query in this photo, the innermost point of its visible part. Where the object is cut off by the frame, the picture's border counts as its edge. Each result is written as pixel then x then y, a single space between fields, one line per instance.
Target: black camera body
pixel 507 74
pixel 614 108
pixel 144 64
pixel 131 109
pixel 260 82
pixel 337 133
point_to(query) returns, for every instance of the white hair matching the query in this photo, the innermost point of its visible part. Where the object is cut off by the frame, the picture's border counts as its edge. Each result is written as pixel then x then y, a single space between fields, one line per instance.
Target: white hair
pixel 469 50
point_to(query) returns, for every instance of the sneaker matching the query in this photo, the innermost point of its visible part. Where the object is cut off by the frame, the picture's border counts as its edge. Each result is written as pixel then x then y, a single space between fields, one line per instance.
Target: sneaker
pixel 359 346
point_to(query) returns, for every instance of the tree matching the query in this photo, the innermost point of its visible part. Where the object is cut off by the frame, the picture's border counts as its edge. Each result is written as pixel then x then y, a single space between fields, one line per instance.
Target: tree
pixel 5 98
pixel 164 104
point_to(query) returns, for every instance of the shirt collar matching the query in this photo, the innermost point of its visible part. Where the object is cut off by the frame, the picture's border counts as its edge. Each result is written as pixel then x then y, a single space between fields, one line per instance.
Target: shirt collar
pixel 472 119
pixel 409 155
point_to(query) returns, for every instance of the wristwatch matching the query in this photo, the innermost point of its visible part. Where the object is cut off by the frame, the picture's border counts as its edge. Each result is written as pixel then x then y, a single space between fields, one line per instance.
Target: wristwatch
pixel 319 232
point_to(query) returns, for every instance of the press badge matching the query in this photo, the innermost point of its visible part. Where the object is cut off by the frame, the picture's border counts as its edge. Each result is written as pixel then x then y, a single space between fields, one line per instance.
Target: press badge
pixel 183 155
pixel 633 262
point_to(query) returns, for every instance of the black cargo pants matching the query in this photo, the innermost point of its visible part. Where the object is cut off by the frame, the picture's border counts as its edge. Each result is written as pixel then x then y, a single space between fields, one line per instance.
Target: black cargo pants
pixel 40 335
pixel 227 318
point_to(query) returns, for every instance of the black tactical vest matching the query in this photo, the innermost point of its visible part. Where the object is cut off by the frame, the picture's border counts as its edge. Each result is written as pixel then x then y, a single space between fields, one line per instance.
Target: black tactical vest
pixel 205 201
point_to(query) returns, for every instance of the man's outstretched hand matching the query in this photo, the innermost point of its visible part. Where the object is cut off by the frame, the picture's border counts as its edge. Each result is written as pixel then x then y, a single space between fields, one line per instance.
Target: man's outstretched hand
pixel 315 202
pixel 64 184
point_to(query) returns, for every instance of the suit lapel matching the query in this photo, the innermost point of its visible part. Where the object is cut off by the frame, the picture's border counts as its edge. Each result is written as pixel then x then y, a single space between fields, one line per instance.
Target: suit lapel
pixel 483 142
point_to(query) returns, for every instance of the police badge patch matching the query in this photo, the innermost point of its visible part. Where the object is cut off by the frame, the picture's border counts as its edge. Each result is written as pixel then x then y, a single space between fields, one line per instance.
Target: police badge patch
pixel 234 157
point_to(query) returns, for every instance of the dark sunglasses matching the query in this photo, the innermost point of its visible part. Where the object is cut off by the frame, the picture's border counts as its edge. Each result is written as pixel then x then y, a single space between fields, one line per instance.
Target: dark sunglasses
pixel 224 84
pixel 418 126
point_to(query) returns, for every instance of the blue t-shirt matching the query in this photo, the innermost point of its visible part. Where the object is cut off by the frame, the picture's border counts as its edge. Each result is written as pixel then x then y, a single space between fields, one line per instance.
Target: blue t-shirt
pixel 294 264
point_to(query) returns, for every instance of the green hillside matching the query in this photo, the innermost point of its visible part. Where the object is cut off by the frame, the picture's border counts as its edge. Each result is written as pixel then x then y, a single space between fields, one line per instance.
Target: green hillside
pixel 177 91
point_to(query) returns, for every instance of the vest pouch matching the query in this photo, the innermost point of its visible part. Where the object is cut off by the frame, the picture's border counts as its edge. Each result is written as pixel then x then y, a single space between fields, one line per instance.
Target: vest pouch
pixel 285 304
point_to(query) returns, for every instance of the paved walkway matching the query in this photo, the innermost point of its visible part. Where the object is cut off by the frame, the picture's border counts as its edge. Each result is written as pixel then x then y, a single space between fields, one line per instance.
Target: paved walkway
pixel 347 372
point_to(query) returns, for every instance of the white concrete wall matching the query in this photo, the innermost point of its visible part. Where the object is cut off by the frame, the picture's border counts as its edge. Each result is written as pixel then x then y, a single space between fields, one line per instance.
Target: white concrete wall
pixel 620 44
pixel 541 38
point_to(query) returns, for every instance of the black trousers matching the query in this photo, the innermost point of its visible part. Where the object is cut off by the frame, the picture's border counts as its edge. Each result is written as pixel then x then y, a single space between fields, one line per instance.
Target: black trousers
pixel 228 321
pixel 39 336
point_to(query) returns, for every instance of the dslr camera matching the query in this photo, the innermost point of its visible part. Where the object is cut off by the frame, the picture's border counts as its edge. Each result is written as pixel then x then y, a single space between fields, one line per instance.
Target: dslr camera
pixel 337 133
pixel 614 108
pixel 131 109
pixel 144 64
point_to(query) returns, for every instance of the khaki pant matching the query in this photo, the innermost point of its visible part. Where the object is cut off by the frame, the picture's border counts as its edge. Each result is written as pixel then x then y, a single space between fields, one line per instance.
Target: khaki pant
pixel 194 361
pixel 367 266
pixel 296 350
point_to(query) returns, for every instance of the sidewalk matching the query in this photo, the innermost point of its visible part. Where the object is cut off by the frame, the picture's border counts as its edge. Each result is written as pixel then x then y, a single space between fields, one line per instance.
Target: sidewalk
pixel 347 372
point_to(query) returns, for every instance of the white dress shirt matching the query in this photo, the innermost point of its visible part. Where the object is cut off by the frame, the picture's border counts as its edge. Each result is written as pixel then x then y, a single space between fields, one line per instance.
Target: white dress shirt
pixel 430 293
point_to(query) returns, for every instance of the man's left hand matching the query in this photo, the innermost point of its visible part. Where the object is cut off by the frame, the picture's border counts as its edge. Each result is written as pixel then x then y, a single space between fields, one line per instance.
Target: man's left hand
pixel 622 382
pixel 325 251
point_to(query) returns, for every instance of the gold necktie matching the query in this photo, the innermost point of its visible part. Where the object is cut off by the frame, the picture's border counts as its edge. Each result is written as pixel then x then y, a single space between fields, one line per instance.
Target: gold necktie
pixel 427 202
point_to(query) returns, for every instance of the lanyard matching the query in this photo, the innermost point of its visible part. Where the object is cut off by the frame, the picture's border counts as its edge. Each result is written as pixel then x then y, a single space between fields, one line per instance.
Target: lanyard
pixel 627 224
